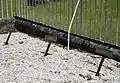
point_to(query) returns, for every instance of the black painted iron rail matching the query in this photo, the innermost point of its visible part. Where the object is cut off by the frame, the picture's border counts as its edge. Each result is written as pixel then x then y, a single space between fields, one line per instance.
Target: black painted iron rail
pixel 77 42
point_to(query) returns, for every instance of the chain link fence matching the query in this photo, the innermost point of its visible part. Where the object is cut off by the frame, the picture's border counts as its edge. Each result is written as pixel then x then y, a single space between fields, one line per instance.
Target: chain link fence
pixel 97 19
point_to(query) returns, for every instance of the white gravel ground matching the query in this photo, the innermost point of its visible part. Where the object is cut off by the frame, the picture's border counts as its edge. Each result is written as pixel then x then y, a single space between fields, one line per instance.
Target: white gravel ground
pixel 22 62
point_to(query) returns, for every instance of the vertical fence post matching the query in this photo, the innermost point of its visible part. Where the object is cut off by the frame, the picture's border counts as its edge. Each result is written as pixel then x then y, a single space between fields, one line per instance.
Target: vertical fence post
pixel 117 30
pixel 56 20
pixel 64 15
pixel 105 20
pixel 43 8
pixel 80 16
pixel 68 10
pixel 86 7
pixel 1 8
pixel 100 30
pixel 60 15
pixel 95 19
pixel 111 20
pixel 90 18
pixel 19 9
pixel 16 7
pixel 24 9
pixel 11 8
pixel 7 12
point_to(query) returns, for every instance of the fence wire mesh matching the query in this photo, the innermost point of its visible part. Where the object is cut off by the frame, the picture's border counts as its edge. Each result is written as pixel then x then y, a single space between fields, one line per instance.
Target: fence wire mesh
pixel 98 19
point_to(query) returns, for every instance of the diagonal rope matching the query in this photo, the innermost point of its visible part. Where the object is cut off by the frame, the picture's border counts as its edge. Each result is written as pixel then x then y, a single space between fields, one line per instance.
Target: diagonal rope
pixel 73 17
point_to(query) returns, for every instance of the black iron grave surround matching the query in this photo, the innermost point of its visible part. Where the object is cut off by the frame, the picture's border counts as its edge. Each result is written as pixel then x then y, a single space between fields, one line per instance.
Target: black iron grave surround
pixel 76 41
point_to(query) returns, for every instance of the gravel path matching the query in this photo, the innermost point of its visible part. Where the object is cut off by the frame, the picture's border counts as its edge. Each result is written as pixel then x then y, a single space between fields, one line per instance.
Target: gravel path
pixel 22 62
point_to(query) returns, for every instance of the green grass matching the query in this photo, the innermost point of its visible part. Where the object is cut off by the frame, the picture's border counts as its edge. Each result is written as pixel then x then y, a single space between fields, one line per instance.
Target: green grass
pixel 59 14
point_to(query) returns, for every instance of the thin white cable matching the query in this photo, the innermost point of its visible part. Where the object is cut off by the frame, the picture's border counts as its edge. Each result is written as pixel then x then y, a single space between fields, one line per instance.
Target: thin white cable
pixel 73 17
